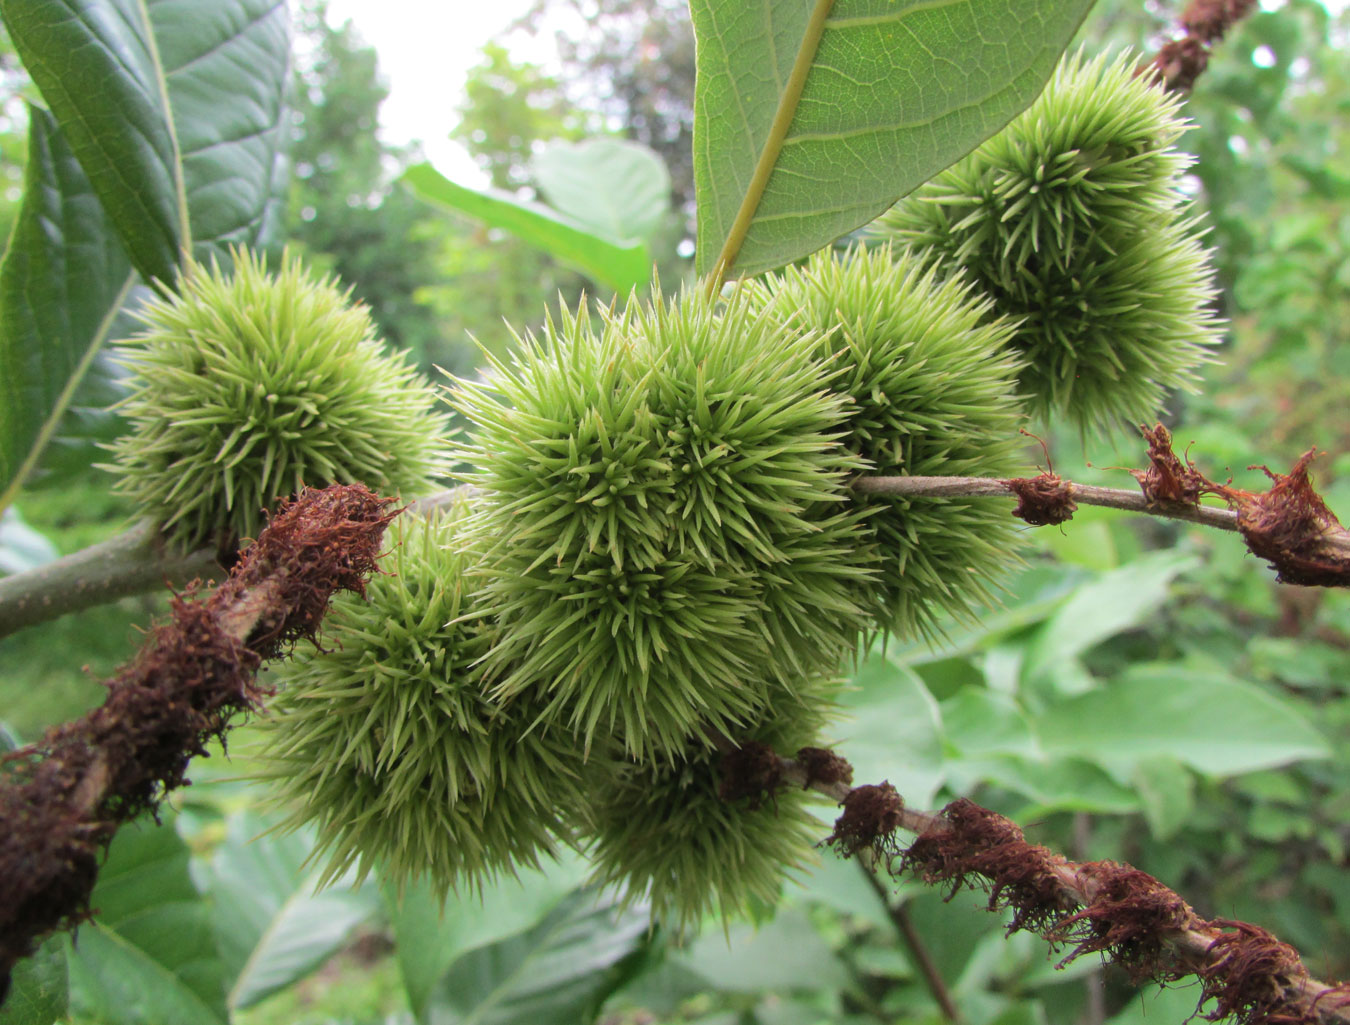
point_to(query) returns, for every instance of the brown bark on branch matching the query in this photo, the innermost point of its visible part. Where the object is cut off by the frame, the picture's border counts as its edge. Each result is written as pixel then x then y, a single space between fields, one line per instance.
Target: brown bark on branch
pixel 1289 526
pixel 1203 23
pixel 62 800
pixel 1104 907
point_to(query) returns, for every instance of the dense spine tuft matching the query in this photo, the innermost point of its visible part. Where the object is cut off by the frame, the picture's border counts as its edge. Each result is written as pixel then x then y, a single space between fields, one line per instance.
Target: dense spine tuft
pixel 931 391
pixel 1073 220
pixel 651 487
pixel 247 386
pixel 666 831
pixel 387 741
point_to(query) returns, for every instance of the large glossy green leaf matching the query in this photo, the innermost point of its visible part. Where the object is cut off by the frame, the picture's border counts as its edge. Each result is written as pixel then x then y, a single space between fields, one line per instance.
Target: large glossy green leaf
pixel 273 928
pixel 557 973
pixel 174 109
pixel 433 930
pixel 150 954
pixel 61 282
pixel 813 116
pixel 1211 722
pixel 616 188
pixel 96 66
pixel 166 128
pixel 227 65
pixel 620 264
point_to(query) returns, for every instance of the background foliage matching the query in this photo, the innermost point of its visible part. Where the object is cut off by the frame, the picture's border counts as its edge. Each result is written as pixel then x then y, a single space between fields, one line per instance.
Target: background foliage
pixel 1142 692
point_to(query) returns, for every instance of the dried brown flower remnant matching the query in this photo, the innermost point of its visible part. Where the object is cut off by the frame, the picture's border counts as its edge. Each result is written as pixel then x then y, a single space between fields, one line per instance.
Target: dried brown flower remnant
pixel 1209 20
pixel 752 771
pixel 63 798
pixel 1291 527
pixel 1250 974
pixel 1167 480
pixel 1044 500
pixel 1181 61
pixel 872 814
pixel 978 842
pixel 822 766
pixel 1130 916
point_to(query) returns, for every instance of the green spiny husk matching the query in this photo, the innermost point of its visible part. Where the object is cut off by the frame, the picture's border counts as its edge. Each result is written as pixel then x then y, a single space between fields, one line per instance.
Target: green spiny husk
pixel 664 832
pixel 931 388
pixel 388 742
pixel 1073 220
pixel 651 486
pixel 247 385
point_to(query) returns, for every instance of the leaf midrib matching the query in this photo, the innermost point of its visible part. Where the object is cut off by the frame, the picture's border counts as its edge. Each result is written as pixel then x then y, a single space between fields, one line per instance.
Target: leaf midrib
pixel 773 143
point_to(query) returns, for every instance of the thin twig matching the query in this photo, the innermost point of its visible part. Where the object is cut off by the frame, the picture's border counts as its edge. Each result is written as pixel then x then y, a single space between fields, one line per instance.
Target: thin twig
pixel 899 916
pixel 1086 494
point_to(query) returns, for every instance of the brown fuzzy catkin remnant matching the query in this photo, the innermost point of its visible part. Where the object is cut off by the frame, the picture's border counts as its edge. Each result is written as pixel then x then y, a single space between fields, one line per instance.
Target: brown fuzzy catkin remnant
pixel 1131 915
pixel 822 766
pixel 871 815
pixel 63 799
pixel 750 771
pixel 1043 501
pixel 1290 526
pixel 977 842
pixel 1167 480
pixel 1204 23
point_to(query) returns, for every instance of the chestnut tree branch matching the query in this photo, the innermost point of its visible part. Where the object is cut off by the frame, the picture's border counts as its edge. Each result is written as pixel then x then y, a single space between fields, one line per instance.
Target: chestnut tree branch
pixel 1082 494
pixel 1090 907
pixel 64 798
pixel 133 562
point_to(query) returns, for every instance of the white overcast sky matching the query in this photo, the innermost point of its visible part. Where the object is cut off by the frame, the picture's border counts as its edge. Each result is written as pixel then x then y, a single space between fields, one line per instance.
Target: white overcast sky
pixel 426 47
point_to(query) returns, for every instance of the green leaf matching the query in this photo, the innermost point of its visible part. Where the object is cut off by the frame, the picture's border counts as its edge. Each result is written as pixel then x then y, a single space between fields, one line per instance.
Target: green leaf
pixel 38 988
pixel 984 730
pixel 615 188
pixel 175 110
pixel 619 264
pixel 892 729
pixel 114 982
pixel 150 954
pixel 1211 722
pixel 1166 792
pixel 1155 1004
pixel 113 108
pixel 227 69
pixel 557 973
pixel 1114 602
pixel 810 119
pixel 273 928
pixel 432 930
pixel 21 547
pixel 782 955
pixel 62 280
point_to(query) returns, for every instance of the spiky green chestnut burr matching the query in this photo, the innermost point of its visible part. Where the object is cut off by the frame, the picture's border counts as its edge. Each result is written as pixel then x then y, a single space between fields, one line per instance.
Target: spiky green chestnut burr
pixel 637 474
pixel 664 832
pixel 247 385
pixel 386 740
pixel 931 389
pixel 1073 220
